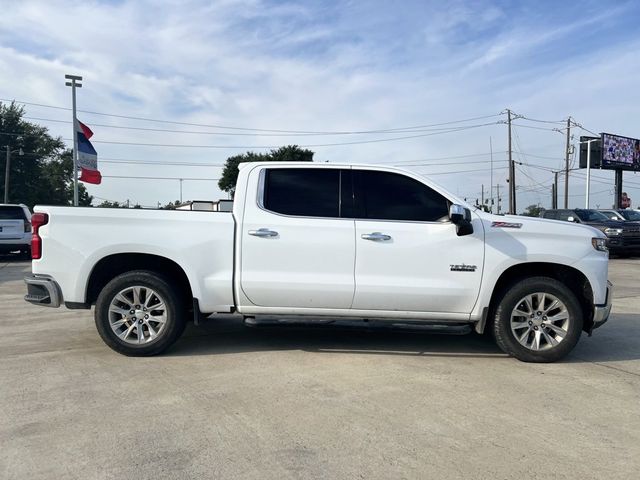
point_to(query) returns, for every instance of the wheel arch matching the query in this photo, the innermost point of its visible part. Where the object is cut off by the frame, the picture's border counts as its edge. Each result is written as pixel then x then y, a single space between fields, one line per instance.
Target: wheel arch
pixel 113 265
pixel 573 278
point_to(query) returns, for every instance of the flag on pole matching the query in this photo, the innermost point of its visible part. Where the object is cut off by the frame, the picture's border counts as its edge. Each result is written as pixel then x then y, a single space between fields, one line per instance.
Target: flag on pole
pixel 90 176
pixel 87 155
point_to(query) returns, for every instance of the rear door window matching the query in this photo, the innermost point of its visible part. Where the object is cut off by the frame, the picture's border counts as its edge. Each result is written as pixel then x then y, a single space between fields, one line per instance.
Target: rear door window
pixel 308 192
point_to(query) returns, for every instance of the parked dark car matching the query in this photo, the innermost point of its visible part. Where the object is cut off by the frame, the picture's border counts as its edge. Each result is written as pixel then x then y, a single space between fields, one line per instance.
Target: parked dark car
pixel 623 236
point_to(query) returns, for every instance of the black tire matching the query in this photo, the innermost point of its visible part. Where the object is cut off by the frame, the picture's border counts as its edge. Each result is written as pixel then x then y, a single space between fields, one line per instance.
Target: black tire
pixel 175 313
pixel 509 300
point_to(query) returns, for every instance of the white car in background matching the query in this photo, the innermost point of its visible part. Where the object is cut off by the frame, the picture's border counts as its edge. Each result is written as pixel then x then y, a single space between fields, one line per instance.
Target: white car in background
pixel 15 228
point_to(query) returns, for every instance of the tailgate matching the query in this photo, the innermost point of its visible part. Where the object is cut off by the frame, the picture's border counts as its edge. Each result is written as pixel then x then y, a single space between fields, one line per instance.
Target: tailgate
pixel 11 229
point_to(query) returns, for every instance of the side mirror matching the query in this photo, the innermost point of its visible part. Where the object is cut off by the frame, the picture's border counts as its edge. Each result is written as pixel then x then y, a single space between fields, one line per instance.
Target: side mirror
pixel 458 214
pixel 461 217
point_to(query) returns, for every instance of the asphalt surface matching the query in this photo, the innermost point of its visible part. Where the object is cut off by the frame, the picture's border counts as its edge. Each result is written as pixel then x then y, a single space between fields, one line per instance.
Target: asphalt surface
pixel 230 401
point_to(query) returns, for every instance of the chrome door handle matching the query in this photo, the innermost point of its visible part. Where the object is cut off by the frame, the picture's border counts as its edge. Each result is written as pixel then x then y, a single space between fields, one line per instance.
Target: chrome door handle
pixel 376 236
pixel 263 232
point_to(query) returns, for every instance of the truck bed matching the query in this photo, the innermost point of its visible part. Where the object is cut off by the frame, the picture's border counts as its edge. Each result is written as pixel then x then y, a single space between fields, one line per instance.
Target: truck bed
pixel 75 239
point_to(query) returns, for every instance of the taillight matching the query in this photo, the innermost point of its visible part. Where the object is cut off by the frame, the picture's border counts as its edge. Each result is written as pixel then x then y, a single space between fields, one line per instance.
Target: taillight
pixel 37 220
pixel 27 226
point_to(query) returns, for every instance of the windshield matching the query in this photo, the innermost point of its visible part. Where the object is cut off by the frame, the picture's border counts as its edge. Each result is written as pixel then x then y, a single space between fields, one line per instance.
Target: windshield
pixel 591 216
pixel 631 215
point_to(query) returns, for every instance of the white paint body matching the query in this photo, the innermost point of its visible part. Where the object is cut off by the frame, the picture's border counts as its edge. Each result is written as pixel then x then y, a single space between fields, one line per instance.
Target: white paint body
pixel 318 266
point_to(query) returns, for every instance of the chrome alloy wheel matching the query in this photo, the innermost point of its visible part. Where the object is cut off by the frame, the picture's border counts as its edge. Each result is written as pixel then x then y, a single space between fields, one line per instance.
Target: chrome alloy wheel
pixel 137 315
pixel 540 321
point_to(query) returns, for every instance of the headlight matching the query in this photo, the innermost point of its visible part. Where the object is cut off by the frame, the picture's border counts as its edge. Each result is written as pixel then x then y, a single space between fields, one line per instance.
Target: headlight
pixel 599 244
pixel 612 231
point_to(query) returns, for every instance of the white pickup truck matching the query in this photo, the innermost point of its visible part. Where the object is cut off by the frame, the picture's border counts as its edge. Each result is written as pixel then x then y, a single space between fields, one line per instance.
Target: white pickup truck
pixel 337 241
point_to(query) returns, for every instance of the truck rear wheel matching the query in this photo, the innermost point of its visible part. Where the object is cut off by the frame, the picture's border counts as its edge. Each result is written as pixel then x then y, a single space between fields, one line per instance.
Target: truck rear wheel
pixel 538 319
pixel 139 314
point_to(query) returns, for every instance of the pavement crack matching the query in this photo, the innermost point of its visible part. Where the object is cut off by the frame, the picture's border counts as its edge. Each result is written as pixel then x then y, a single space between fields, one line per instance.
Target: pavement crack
pixel 610 366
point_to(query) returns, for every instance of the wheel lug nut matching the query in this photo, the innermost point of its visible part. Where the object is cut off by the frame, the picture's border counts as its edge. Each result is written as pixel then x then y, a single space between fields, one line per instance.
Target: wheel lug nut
pixel 544 317
pixel 535 328
pixel 538 313
pixel 137 307
pixel 132 312
pixel 530 323
pixel 146 316
pixel 134 319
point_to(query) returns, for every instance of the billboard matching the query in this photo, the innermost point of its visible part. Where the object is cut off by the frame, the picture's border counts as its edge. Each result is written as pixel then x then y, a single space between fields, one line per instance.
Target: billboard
pixel 596 152
pixel 620 153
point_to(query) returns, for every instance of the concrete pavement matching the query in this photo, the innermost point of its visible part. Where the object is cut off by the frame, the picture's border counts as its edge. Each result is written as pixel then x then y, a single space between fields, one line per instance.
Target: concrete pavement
pixel 235 402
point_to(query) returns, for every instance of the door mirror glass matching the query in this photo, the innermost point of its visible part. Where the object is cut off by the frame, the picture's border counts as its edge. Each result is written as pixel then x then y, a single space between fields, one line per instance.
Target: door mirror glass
pixel 459 214
pixel 461 217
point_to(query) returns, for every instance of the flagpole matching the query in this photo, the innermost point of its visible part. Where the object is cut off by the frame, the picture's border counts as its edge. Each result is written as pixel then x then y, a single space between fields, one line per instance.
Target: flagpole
pixel 73 84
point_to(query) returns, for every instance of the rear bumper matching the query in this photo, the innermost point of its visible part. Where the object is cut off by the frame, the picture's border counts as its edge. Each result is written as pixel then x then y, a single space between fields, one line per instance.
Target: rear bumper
pixel 43 290
pixel 601 312
pixel 14 244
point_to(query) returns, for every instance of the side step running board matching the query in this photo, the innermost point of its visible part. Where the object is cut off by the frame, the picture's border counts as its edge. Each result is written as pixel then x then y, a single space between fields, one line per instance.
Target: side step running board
pixel 377 325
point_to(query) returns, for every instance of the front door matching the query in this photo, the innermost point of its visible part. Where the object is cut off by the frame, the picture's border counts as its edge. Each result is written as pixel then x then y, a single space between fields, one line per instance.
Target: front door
pixel 408 255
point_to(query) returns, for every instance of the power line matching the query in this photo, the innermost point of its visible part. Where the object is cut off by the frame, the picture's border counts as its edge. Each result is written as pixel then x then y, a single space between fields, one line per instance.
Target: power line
pixel 173 122
pixel 161 178
pixel 359 142
pixel 254 134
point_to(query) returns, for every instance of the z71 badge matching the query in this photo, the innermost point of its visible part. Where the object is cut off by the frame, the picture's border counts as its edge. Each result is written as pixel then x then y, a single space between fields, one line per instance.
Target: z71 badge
pixel 506 225
pixel 463 268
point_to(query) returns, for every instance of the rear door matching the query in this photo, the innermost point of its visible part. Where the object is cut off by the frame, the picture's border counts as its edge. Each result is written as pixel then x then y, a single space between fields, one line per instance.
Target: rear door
pixel 297 244
pixel 12 222
pixel 408 254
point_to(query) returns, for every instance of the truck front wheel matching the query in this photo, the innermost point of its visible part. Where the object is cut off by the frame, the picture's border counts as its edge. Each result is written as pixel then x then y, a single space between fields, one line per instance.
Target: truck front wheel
pixel 139 314
pixel 538 319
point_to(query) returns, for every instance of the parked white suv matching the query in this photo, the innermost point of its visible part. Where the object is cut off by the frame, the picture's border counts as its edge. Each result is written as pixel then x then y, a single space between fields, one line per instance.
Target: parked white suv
pixel 15 228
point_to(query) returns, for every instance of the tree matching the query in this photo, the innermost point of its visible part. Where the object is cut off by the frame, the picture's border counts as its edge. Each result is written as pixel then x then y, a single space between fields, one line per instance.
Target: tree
pixel 533 211
pixel 171 205
pixel 289 153
pixel 109 204
pixel 44 173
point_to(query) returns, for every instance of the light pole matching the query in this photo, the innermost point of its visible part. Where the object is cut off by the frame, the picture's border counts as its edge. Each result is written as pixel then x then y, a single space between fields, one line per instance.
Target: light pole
pixel 7 170
pixel 74 82
pixel 588 142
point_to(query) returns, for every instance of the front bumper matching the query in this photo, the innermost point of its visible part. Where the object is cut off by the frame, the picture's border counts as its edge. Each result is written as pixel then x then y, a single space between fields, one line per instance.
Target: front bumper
pixel 601 312
pixel 43 290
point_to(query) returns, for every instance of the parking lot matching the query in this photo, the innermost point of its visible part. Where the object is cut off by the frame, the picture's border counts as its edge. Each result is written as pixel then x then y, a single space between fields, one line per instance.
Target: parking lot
pixel 229 401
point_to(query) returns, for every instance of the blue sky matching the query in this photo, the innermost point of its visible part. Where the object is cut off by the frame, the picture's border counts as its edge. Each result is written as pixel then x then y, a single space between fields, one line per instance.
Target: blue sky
pixel 329 66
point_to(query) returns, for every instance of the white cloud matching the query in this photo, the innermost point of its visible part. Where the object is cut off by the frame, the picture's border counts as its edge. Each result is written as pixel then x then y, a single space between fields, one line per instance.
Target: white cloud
pixel 301 66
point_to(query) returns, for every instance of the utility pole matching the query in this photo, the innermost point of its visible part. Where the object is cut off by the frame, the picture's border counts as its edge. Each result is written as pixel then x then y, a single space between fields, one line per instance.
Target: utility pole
pixel 180 191
pixel 6 175
pixel 482 197
pixel 566 164
pixel 554 200
pixel 491 179
pixel 498 195
pixel 512 182
pixel 7 170
pixel 74 83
